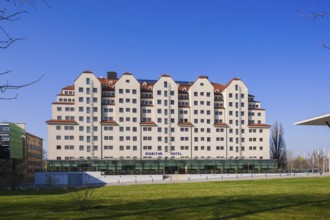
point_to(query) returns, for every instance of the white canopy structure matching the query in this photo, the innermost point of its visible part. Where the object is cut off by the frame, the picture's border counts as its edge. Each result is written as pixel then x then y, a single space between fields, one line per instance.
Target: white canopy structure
pixel 322 120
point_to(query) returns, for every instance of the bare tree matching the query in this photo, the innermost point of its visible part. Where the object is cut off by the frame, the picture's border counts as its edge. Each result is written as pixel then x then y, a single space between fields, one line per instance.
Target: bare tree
pixel 11 13
pixel 277 145
pixel 83 197
pixel 314 15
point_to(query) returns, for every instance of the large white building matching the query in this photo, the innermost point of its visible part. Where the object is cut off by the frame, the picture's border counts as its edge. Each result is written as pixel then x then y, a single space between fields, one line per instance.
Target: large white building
pixel 131 119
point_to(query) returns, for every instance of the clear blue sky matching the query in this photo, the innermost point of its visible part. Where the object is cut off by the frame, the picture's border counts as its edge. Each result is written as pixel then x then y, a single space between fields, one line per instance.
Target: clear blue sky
pixel 274 50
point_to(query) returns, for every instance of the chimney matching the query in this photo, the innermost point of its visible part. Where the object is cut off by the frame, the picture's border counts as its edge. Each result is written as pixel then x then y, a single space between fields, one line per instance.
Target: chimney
pixel 112 75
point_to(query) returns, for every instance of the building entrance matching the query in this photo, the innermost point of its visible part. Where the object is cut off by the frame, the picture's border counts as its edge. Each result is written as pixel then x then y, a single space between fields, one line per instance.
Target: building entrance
pixel 171 170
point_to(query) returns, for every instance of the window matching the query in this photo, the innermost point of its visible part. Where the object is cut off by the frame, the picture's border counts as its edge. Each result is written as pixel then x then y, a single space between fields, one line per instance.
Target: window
pixel 81 89
pixel 88 81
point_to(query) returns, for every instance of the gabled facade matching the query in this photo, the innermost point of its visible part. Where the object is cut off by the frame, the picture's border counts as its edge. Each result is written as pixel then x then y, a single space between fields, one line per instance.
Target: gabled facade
pixel 131 119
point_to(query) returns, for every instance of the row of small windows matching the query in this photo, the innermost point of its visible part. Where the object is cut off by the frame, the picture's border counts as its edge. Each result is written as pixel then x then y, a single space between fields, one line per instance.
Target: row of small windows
pixel 253 121
pixel 207 94
pixel 108 101
pixel 134 129
pixel 134 110
pixel 88 119
pixel 111 94
pixel 67 109
pixel 88 109
pixel 127 100
pixel 127 91
pixel 66 92
pixel 88 99
pixel 66 127
pixel 159 92
pixel 59 117
pixel 236 95
pixel 65 100
pixel 146 95
pixel 88 90
pixel 253 106
pixel 159 120
pixel 148 102
pixel 159 148
pixel 252 114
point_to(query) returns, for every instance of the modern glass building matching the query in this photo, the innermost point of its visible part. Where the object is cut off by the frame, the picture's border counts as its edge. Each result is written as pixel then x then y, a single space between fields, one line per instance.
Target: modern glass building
pixel 123 167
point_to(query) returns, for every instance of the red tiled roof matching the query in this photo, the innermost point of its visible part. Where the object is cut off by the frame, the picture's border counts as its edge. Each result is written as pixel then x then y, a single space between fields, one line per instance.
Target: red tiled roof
pixel 68 88
pixel 146 87
pixel 203 77
pixel 55 121
pixel 166 75
pixel 187 124
pixel 258 109
pixel 187 87
pixel 63 103
pixel 65 94
pixel 259 125
pixel 218 86
pixel 220 125
pixel 127 73
pixel 87 71
pixel 145 90
pixel 150 123
pixel 106 86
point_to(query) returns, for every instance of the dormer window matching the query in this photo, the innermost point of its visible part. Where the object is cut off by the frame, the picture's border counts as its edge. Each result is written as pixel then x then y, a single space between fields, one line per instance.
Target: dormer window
pixel 110 82
pixel 144 83
pixel 184 89
pixel 150 88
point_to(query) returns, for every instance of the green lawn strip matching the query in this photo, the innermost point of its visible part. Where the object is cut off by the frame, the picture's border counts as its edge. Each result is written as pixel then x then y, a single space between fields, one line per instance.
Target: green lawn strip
pixel 299 198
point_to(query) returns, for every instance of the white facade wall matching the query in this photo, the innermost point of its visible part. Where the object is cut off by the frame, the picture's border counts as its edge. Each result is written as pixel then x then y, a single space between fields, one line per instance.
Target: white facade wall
pixel 128 119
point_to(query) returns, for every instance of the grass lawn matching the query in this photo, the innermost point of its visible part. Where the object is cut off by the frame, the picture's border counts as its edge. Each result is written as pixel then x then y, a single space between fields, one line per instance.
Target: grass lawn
pixel 296 198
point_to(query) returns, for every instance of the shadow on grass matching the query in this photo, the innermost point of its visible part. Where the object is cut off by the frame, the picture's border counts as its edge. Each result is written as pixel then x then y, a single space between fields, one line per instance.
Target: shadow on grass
pixel 212 207
pixel 220 208
pixel 32 192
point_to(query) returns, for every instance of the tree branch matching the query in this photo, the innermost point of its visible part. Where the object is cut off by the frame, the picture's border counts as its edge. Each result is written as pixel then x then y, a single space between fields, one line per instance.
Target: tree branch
pixel 6 72
pixel 7 86
pixel 315 15
pixel 3 88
